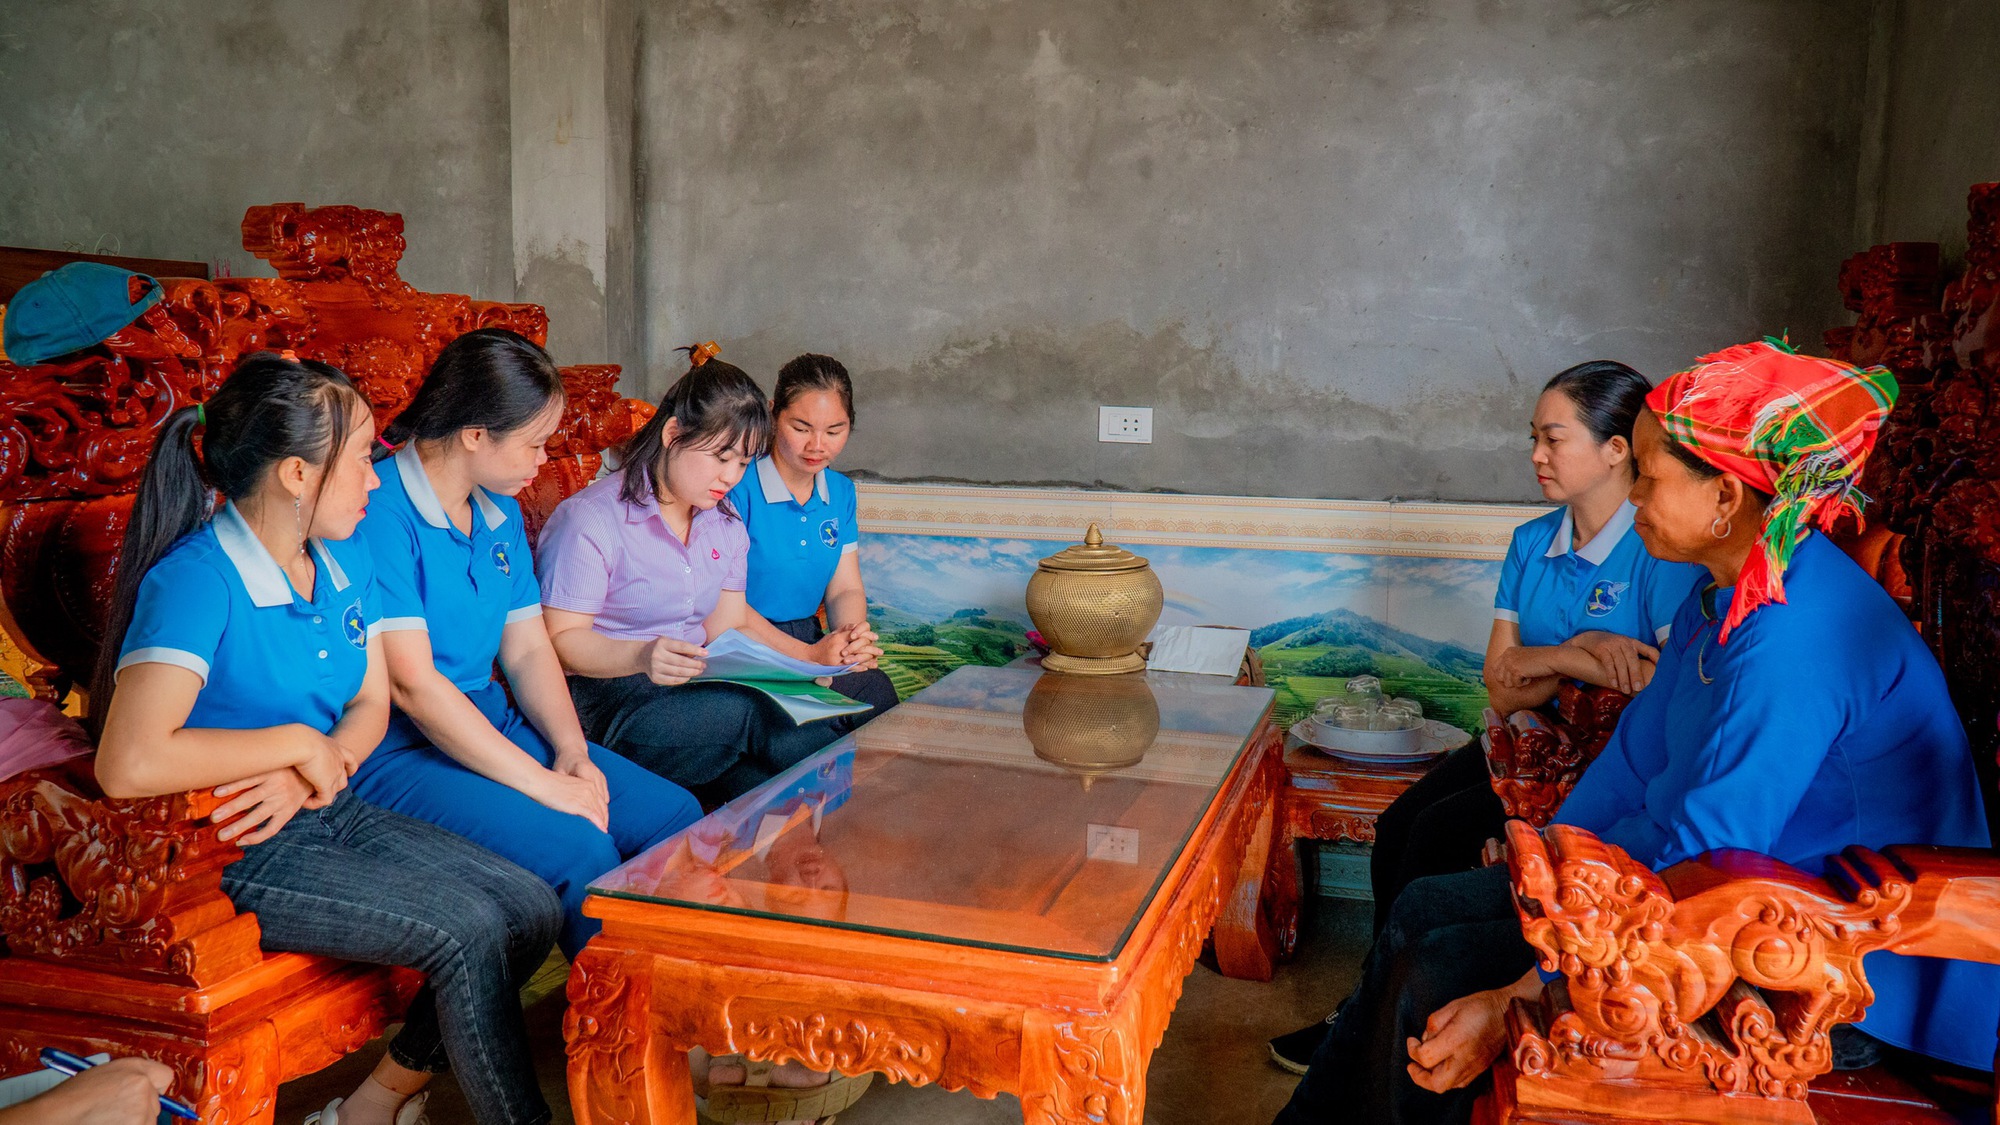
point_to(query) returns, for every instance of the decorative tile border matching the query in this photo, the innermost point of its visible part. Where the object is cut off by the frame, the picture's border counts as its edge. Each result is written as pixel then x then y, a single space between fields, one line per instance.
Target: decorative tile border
pixel 1414 528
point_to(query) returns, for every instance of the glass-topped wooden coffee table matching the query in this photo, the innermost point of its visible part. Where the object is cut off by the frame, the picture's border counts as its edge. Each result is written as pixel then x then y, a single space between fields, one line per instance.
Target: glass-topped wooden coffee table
pixel 998 886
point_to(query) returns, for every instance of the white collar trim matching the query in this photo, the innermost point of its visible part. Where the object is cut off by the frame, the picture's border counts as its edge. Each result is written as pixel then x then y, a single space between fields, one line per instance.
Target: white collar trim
pixel 1601 545
pixel 262 577
pixel 424 498
pixel 776 491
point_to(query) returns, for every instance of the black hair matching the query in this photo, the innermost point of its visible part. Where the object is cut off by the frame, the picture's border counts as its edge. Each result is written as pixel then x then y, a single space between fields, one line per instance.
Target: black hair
pixel 1607 395
pixel 716 405
pixel 490 379
pixel 1700 469
pixel 269 408
pixel 808 373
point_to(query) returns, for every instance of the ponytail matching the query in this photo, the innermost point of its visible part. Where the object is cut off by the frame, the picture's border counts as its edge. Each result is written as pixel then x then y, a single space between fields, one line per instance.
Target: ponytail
pixel 174 499
pixel 269 408
pixel 715 405
pixel 489 379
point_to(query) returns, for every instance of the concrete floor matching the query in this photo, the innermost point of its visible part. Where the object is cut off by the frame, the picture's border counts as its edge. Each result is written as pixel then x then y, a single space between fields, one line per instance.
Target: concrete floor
pixel 1211 1068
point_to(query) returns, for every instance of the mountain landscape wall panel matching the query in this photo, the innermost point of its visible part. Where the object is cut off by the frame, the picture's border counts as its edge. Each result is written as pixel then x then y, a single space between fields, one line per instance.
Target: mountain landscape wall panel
pixel 1316 619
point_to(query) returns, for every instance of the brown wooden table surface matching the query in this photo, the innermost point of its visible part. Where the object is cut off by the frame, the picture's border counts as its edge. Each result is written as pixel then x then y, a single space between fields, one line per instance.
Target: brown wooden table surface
pixel 970 937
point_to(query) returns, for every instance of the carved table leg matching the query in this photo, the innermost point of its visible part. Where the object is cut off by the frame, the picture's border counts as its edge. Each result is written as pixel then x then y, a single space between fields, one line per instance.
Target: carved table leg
pixel 1081 1070
pixel 619 1072
pixel 1259 922
pixel 1245 946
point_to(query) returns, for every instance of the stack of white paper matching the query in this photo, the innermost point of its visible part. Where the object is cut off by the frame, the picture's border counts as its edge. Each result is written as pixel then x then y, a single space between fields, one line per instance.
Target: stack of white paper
pixel 1213 650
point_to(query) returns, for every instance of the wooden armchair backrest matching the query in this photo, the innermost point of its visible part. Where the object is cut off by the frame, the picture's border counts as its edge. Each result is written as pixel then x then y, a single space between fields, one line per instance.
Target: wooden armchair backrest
pixel 75 433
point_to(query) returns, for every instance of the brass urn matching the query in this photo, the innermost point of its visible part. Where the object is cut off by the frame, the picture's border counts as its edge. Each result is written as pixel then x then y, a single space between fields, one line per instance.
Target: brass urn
pixel 1094 604
pixel 1091 725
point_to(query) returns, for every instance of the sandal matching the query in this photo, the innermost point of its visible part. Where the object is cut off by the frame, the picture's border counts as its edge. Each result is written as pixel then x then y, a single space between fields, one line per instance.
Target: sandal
pixel 411 1112
pixel 756 1100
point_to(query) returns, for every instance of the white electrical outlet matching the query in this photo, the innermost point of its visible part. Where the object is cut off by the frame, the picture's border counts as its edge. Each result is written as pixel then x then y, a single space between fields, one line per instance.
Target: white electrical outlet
pixel 1131 424
pixel 1112 843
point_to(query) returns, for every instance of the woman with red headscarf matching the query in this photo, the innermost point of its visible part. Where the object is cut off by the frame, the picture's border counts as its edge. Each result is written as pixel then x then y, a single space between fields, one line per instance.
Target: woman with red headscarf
pixel 1794 712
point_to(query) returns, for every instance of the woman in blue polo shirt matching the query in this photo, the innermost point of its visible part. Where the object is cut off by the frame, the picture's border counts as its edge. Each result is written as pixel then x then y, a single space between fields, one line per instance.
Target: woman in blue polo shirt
pixel 804 531
pixel 240 654
pixel 1579 598
pixel 458 594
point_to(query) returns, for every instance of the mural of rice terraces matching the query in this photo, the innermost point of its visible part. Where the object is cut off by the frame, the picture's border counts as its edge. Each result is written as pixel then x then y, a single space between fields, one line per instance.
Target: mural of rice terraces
pixel 1315 619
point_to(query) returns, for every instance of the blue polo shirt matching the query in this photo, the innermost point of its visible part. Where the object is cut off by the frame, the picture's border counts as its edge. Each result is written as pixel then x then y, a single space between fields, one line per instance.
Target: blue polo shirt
pixel 1610 584
pixel 218 605
pixel 464 590
pixel 794 547
pixel 1823 723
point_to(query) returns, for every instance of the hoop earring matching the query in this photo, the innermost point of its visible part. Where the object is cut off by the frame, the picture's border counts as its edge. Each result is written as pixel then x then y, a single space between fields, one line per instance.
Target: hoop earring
pixel 1727 527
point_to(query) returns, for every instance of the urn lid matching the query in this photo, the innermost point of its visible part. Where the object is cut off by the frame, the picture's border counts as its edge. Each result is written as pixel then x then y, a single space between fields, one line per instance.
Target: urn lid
pixel 1094 556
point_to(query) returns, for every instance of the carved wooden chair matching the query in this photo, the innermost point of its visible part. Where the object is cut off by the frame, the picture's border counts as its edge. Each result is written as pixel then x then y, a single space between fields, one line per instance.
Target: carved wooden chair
pixel 117 934
pixel 1707 992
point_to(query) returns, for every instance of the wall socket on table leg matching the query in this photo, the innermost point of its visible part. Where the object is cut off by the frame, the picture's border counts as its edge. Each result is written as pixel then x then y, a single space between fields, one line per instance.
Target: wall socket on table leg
pixel 1131 424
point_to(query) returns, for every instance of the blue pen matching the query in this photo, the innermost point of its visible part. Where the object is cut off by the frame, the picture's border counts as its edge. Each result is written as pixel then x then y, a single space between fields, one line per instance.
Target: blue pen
pixel 62 1062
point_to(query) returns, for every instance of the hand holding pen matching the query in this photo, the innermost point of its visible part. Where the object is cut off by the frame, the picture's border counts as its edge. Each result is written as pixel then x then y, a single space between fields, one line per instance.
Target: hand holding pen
pixel 100 1093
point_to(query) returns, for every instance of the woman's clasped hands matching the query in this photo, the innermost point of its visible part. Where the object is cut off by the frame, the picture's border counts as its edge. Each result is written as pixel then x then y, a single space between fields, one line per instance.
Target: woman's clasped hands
pixel 574 785
pixel 256 807
pixel 853 645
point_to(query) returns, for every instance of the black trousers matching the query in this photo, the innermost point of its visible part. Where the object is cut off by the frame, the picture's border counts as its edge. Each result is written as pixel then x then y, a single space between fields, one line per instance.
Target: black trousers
pixel 716 740
pixel 872 687
pixel 1439 826
pixel 1445 938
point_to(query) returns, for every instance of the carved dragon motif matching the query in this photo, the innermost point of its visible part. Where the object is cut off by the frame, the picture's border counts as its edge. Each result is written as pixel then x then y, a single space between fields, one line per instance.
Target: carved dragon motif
pixel 111 882
pixel 1736 982
pixel 1536 760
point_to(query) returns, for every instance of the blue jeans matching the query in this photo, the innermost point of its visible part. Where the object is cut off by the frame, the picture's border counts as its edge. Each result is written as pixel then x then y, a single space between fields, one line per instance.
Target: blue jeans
pixel 1447 937
pixel 717 739
pixel 408 775
pixel 362 884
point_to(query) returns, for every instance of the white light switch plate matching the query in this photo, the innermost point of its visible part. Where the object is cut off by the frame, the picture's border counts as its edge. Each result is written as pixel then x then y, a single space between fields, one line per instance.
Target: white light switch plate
pixel 1131 424
pixel 1110 842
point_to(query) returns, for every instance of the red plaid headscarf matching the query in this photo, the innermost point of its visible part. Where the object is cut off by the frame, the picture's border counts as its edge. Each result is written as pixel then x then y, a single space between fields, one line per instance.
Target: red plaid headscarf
pixel 1794 426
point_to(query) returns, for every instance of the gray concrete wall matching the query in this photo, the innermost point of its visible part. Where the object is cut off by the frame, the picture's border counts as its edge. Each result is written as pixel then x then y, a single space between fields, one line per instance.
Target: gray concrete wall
pixel 1942 132
pixel 1336 244
pixel 145 128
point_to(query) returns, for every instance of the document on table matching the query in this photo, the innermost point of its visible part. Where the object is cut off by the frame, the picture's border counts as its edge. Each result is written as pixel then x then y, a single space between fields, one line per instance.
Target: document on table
pixel 1210 649
pixel 737 659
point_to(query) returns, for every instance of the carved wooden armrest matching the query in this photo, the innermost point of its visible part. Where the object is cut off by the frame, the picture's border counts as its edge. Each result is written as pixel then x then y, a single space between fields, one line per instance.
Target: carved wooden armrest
pixel 1726 973
pixel 1536 759
pixel 130 887
pixel 1532 762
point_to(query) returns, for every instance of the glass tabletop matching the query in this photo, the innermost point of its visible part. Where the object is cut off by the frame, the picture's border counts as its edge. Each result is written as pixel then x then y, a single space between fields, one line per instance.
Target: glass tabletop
pixel 1000 807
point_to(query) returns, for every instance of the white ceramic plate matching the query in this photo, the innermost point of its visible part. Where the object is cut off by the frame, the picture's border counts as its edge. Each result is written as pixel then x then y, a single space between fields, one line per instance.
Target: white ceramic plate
pixel 1439 739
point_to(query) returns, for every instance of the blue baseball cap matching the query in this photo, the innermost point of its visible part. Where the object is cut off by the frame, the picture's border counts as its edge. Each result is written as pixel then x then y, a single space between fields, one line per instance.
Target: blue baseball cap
pixel 71 308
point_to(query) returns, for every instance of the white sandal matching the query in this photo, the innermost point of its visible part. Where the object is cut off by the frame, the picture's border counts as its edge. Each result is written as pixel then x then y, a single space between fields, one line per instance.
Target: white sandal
pixel 411 1112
